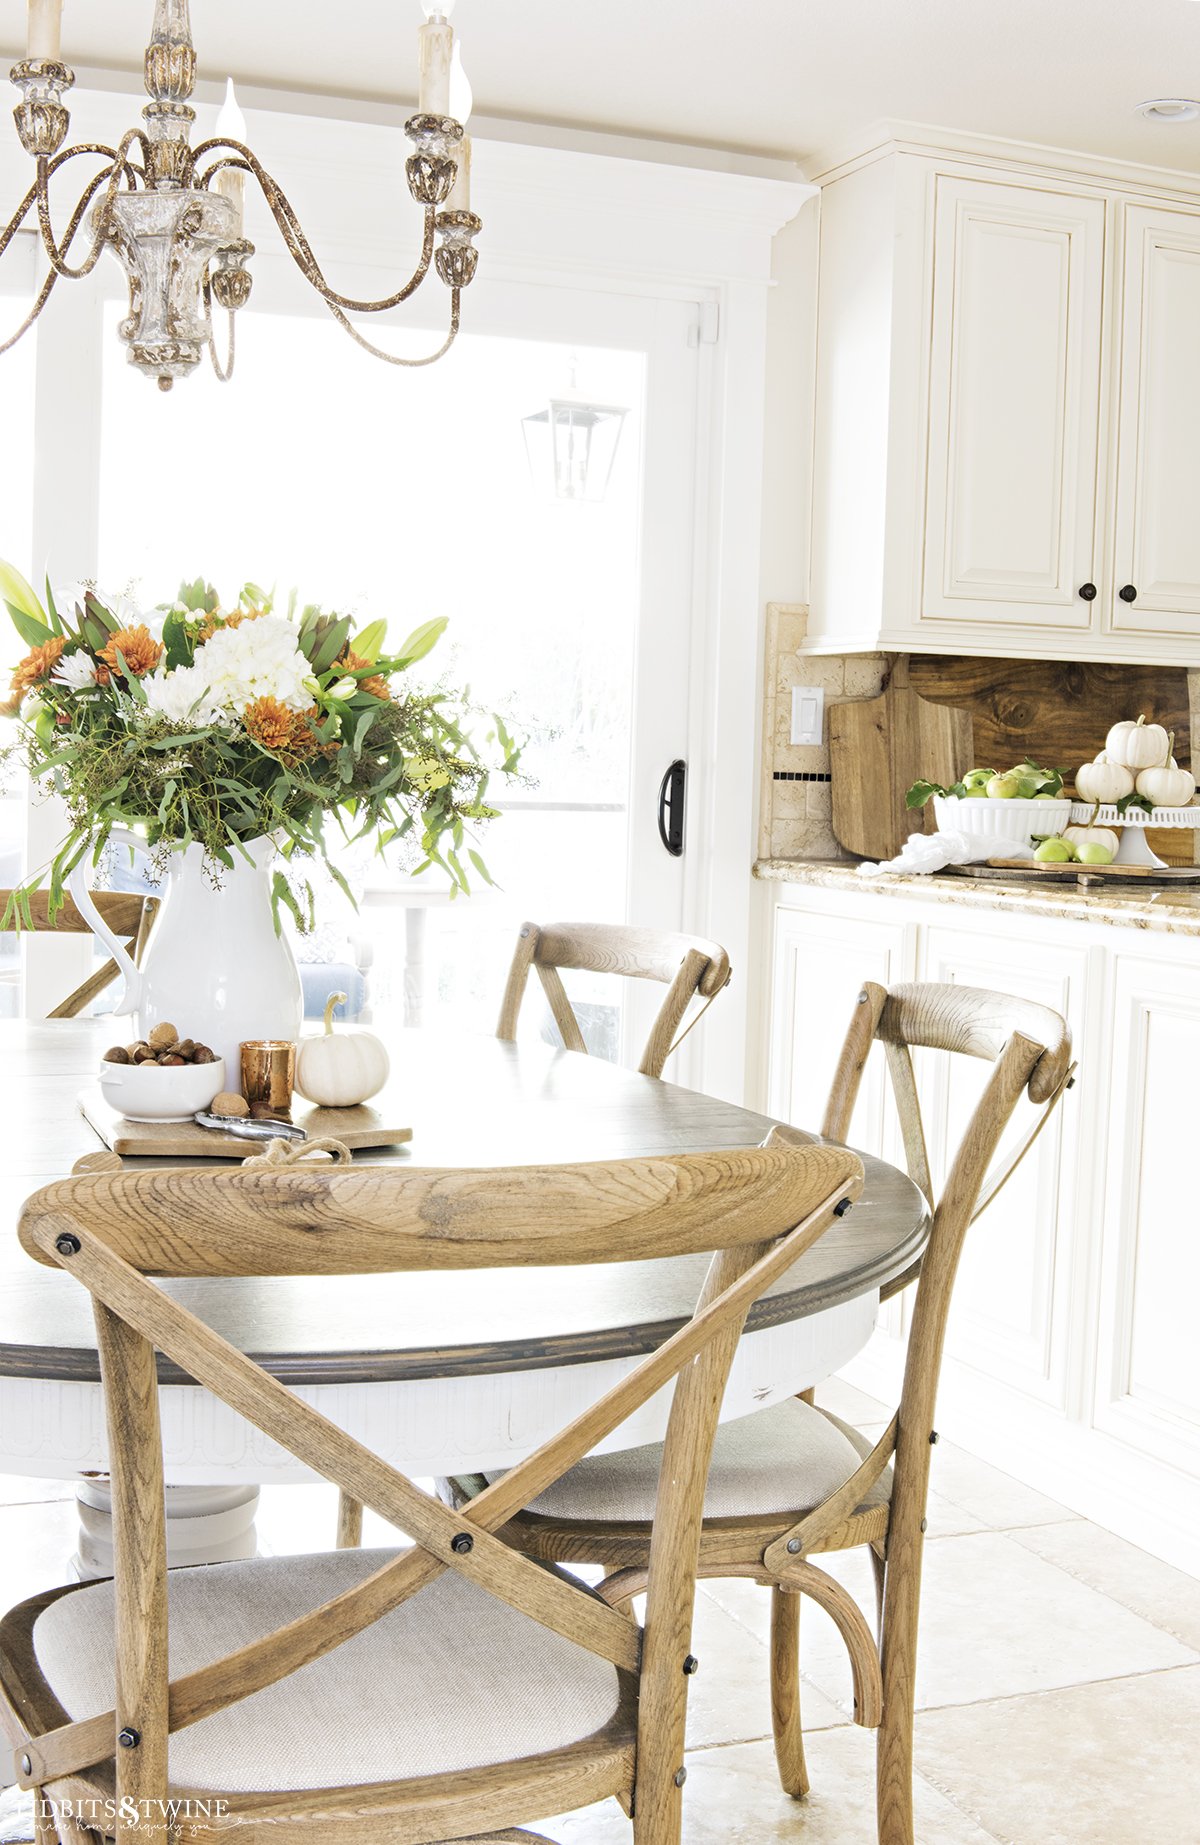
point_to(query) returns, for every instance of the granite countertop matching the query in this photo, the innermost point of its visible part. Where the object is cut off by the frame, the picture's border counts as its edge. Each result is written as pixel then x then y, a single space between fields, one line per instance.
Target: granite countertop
pixel 1173 910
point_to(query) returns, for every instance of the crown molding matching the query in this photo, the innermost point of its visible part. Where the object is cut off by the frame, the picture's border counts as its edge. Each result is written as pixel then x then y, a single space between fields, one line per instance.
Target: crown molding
pixel 883 138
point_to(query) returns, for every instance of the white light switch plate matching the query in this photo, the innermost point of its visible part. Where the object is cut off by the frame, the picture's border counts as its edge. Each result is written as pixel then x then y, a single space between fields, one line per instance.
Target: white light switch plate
pixel 808 714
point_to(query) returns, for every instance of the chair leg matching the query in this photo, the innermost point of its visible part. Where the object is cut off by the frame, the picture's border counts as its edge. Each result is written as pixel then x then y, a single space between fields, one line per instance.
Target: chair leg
pixel 785 1692
pixel 349 1523
pixel 879 1571
pixel 894 1760
pixel 45 1831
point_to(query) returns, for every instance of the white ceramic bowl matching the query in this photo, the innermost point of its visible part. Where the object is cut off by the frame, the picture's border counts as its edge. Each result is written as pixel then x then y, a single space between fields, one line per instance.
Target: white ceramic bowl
pixel 1017 820
pixel 148 1092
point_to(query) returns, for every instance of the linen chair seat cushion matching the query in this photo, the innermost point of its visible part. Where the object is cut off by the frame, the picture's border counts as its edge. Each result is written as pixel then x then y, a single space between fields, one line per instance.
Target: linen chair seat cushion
pixel 789 1458
pixel 444 1682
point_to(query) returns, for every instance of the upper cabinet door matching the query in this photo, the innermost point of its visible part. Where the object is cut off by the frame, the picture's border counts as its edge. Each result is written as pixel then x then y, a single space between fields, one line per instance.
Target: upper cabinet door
pixel 1011 532
pixel 1157 545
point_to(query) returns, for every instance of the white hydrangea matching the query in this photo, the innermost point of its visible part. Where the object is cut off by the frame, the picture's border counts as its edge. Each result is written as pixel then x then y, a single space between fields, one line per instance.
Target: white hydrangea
pixel 76 671
pixel 259 659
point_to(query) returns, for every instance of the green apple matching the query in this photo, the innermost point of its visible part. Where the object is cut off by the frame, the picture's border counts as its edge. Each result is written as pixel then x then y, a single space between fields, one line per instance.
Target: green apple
pixel 977 778
pixel 978 793
pixel 1004 787
pixel 1055 852
pixel 1047 797
pixel 1093 852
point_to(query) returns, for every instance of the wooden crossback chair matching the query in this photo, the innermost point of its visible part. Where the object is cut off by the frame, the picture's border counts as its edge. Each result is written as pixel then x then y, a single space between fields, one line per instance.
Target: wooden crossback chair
pixel 478 1690
pixel 128 915
pixel 792 1481
pixel 687 966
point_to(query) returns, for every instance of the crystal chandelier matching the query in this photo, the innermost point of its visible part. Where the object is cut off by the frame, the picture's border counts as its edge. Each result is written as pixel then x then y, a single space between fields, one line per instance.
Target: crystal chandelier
pixel 173 214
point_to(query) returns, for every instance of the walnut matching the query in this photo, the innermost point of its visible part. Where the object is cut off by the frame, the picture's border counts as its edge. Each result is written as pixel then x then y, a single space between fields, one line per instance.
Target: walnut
pixel 163 1037
pixel 232 1106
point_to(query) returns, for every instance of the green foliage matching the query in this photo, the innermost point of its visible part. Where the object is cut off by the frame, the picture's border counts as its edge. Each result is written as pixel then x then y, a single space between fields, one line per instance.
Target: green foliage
pixel 401 767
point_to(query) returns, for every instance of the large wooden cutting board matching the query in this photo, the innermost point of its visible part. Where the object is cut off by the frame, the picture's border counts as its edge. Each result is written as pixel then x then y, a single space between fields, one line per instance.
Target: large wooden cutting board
pixel 878 747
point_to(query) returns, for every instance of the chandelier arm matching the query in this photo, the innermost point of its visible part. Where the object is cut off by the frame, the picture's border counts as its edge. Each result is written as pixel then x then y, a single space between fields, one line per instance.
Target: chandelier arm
pixel 223 375
pixel 113 176
pixel 392 358
pixel 301 251
pixel 18 218
pixel 44 294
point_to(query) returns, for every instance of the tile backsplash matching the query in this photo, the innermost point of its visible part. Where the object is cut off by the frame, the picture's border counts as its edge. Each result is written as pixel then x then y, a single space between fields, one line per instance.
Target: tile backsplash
pixel 797 802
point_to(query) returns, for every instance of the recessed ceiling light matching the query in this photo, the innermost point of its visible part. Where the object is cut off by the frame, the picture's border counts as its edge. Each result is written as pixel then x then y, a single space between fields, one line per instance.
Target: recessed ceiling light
pixel 1169 109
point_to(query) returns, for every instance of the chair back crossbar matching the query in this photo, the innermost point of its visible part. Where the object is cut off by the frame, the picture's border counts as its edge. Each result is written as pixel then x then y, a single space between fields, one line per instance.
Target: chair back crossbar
pixel 127 915
pixel 686 965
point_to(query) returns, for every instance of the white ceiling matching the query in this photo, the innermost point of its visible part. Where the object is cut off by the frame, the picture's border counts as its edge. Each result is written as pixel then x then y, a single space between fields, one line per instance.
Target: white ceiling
pixel 780 77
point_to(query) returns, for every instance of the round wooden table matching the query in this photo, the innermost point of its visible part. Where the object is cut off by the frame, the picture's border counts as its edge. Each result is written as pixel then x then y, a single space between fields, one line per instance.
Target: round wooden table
pixel 438 1373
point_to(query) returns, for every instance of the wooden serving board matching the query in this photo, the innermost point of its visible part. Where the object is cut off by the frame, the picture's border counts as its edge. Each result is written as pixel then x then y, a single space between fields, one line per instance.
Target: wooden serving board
pixel 878 748
pixel 1013 869
pixel 357 1128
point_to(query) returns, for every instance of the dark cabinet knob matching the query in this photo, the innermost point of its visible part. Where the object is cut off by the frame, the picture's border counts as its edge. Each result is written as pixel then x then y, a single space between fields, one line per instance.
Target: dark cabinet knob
pixel 1128 594
pixel 1087 592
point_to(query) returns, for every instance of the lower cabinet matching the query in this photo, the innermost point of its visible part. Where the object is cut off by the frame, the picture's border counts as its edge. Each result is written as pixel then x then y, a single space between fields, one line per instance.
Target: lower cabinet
pixel 1070 1357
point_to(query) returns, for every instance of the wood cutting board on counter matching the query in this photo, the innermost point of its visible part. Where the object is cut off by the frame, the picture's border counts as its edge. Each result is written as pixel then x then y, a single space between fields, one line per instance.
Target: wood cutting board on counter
pixel 939 715
pixel 878 747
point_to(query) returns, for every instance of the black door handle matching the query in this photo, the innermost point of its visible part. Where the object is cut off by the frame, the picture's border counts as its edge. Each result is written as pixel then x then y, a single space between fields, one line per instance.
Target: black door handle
pixel 1128 594
pixel 1087 592
pixel 672 801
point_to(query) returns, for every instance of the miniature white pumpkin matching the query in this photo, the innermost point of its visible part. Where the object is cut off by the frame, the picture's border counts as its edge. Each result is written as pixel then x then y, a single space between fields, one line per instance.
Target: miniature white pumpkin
pixel 1170 786
pixel 1092 836
pixel 340 1069
pixel 1103 780
pixel 1137 745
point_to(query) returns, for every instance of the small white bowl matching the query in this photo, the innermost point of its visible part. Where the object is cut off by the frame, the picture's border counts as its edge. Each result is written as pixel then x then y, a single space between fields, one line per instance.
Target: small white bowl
pixel 148 1092
pixel 1017 820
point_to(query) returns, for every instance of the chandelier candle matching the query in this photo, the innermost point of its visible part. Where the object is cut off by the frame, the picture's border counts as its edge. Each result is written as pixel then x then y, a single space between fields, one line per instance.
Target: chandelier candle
pixel 435 54
pixel 45 30
pixel 173 214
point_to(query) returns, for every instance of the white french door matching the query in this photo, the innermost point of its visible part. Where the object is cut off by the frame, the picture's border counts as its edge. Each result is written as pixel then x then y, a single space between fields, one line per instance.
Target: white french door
pixel 411 494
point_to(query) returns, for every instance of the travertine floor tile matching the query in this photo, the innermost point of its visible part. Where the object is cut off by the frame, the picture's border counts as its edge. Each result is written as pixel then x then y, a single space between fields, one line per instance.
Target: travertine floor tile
pixel 992 1496
pixel 1105 1764
pixel 1168 1597
pixel 996 1621
pixel 730 1697
pixel 851 1403
pixel 733 1798
pixel 37 1543
pixel 22 1489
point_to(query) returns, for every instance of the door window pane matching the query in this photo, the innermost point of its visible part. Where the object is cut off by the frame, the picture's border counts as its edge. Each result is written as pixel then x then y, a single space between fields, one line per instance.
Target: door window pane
pixel 411 495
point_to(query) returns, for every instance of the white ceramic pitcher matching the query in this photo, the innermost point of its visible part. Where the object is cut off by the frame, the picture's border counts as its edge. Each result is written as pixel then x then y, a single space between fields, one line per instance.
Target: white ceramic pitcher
pixel 215 968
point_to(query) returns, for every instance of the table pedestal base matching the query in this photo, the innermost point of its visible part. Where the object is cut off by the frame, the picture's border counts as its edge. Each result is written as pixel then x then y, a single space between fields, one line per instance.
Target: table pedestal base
pixel 205 1524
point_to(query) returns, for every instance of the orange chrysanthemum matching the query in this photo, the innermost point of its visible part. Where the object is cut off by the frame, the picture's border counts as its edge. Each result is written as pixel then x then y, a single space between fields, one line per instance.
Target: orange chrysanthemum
pixel 137 647
pixel 215 621
pixel 269 723
pixel 374 683
pixel 38 664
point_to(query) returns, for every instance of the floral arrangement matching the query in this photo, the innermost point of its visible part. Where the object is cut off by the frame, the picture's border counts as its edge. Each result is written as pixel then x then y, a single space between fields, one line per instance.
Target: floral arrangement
pixel 214 725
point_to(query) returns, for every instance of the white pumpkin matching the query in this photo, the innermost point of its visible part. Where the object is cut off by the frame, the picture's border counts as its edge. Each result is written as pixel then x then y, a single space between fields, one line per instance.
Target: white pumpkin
pixel 1103 780
pixel 1167 787
pixel 1093 836
pixel 1138 745
pixel 343 1068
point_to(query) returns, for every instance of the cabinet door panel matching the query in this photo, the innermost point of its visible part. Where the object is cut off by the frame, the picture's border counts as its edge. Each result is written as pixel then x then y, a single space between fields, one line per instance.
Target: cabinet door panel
pixel 821 961
pixel 1014 405
pixel 1148 1380
pixel 1009 1310
pixel 1157 547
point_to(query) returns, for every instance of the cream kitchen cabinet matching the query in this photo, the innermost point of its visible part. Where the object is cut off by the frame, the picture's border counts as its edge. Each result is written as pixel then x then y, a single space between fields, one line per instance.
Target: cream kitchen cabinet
pixel 1007 388
pixel 1070 1359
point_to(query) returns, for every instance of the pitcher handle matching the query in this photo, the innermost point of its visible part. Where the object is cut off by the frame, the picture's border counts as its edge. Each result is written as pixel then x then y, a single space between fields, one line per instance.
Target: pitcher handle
pixel 131 997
